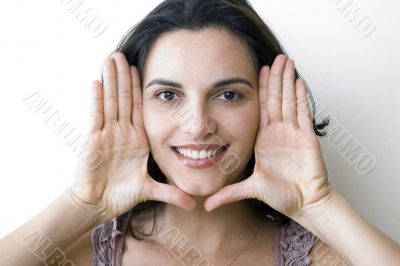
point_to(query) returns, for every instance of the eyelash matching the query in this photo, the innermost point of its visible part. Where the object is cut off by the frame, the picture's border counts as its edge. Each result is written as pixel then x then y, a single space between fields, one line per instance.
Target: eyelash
pixel 237 94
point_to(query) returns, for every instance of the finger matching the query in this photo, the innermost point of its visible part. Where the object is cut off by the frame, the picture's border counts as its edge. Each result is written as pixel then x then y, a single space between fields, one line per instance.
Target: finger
pixel 124 87
pixel 110 92
pixel 228 194
pixel 275 90
pixel 170 194
pixel 263 95
pixel 289 114
pixel 97 111
pixel 303 109
pixel 137 110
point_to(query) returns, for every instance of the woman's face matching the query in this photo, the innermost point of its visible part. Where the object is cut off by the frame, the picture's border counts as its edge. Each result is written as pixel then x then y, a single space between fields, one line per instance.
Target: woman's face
pixel 183 104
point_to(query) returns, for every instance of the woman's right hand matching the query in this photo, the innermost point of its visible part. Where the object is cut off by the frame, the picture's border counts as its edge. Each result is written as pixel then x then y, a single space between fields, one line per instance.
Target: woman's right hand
pixel 120 179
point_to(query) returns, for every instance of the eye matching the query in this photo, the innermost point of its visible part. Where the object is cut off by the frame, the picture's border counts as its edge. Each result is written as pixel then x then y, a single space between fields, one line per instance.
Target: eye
pixel 231 96
pixel 165 95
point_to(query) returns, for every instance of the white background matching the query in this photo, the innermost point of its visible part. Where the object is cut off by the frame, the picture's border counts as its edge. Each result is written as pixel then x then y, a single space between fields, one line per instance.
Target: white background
pixel 46 49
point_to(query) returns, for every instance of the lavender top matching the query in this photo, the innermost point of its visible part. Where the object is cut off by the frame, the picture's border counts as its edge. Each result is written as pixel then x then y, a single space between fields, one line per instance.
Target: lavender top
pixel 292 243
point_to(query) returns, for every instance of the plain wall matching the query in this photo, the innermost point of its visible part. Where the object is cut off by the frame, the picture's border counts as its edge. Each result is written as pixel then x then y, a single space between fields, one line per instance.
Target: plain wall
pixel 346 50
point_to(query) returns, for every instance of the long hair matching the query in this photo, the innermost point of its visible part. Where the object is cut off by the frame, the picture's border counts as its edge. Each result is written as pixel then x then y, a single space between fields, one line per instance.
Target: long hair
pixel 235 16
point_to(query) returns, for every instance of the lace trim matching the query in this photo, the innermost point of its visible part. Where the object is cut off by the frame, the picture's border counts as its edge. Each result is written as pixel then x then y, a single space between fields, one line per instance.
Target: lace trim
pixel 103 240
pixel 296 245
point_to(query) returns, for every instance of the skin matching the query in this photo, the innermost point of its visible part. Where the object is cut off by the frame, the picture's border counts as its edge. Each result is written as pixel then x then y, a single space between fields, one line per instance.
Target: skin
pixel 289 174
pixel 197 60
pixel 205 205
pixel 183 57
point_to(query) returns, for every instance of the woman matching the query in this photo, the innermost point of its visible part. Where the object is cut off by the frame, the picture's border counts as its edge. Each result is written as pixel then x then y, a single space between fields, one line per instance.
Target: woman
pixel 207 154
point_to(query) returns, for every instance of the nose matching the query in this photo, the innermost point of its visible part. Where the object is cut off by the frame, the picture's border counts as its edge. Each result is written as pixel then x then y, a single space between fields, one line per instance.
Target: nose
pixel 198 123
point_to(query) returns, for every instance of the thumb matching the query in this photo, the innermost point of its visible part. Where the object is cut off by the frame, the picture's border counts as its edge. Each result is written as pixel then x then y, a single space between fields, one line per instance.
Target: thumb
pixel 228 194
pixel 154 190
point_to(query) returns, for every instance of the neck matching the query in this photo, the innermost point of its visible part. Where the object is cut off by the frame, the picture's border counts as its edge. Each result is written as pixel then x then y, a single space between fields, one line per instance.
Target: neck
pixel 219 231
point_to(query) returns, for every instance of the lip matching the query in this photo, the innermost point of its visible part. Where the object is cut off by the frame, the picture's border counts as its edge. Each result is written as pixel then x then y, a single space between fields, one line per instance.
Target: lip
pixel 200 163
pixel 199 147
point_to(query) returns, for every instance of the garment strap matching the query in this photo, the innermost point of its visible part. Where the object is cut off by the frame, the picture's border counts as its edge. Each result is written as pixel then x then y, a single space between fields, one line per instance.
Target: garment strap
pixel 292 245
pixel 107 241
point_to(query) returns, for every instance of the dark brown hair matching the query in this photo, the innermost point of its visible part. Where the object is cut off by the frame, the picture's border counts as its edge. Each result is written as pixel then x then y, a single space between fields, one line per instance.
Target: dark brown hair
pixel 237 17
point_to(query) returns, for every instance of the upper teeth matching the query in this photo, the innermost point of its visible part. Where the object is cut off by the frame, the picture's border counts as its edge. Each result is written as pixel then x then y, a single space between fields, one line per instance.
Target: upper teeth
pixel 202 154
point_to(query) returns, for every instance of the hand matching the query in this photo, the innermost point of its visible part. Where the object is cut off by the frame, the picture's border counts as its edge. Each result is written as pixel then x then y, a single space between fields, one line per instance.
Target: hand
pixel 117 133
pixel 289 173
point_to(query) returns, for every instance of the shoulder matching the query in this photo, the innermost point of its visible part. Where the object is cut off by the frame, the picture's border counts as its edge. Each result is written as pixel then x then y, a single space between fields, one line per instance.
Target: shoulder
pixel 96 244
pixel 295 243
pixel 322 254
pixel 298 245
pixel 80 252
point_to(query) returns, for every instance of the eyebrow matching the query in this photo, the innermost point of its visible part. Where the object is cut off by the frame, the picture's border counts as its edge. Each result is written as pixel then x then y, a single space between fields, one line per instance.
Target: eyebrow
pixel 220 83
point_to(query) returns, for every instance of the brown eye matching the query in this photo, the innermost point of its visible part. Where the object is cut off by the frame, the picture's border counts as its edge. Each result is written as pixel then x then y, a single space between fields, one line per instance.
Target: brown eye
pixel 165 95
pixel 230 96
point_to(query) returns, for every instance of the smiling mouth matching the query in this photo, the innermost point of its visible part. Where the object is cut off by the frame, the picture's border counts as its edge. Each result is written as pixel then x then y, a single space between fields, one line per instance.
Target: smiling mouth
pixel 200 154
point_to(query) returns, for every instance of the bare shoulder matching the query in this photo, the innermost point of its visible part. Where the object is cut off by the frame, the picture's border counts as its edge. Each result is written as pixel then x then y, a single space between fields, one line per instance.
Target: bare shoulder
pixel 80 252
pixel 322 254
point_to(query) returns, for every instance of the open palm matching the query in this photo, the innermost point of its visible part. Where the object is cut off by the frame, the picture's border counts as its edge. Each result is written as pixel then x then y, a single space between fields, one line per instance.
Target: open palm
pixel 120 180
pixel 289 173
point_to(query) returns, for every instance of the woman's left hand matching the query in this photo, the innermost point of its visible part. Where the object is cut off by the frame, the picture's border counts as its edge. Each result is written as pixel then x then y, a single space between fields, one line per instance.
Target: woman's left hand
pixel 289 173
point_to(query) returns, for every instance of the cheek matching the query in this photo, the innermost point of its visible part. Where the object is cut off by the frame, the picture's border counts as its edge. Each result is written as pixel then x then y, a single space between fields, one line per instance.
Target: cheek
pixel 243 123
pixel 154 123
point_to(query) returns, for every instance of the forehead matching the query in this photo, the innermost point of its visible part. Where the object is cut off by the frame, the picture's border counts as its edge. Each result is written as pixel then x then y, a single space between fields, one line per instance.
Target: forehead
pixel 209 53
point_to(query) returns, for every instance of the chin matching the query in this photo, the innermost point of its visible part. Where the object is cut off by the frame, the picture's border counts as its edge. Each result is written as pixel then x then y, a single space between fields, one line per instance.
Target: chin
pixel 200 192
pixel 202 188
